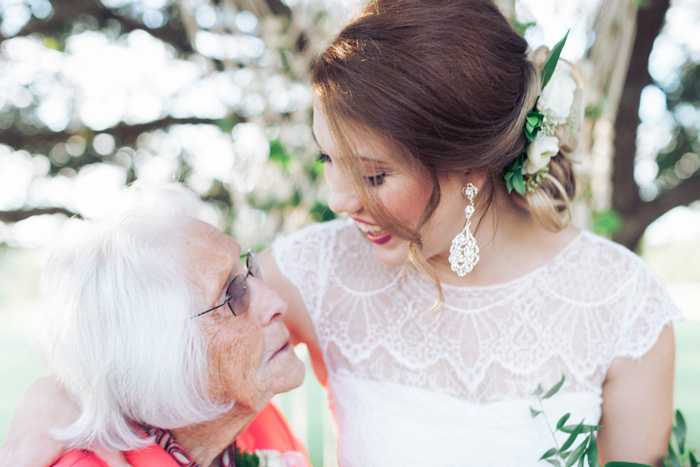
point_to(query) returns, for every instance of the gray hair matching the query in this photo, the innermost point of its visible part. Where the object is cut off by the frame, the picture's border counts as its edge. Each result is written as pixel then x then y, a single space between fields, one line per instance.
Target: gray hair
pixel 117 327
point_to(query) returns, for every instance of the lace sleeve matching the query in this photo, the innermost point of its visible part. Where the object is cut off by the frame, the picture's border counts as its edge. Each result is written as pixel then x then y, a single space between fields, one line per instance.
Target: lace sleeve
pixel 649 309
pixel 304 258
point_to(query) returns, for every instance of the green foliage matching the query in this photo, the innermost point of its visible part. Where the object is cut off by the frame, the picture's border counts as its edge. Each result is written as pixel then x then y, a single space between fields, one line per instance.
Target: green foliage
pixel 564 456
pixel 168 143
pixel 625 464
pixel 317 170
pixel 606 223
pixel 555 389
pixel 678 454
pixel 225 124
pixel 595 111
pixel 245 459
pixel 586 453
pixel 279 156
pixel 320 212
pixel 514 175
pixel 52 43
pixel 514 178
pixel 521 28
pixel 533 123
pixel 552 59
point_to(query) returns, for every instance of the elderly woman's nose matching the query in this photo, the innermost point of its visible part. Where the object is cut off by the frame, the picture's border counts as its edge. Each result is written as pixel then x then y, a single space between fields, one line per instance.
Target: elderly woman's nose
pixel 270 305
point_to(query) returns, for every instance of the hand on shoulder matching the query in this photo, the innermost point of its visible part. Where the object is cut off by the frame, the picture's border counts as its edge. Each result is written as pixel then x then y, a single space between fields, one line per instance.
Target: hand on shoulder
pixel 44 405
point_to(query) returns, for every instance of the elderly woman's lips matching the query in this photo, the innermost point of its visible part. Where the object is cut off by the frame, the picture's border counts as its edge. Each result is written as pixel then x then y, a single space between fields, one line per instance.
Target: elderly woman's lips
pixel 287 345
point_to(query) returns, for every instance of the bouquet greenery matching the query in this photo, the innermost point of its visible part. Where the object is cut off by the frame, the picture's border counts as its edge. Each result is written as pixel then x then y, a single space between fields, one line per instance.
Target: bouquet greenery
pixel 586 453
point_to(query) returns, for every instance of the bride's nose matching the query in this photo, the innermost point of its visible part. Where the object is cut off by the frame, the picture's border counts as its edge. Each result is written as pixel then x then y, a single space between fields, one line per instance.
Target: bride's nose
pixel 343 198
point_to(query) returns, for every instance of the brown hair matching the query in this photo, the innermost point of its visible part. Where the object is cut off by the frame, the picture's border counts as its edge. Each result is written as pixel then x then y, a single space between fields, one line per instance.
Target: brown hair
pixel 446 82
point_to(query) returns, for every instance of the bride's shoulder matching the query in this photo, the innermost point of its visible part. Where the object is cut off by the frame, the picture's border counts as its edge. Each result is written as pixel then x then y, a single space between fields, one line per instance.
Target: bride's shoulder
pixel 603 252
pixel 598 266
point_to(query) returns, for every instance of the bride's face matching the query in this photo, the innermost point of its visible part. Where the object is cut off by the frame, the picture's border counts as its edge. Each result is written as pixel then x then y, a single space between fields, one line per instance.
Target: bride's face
pixel 403 193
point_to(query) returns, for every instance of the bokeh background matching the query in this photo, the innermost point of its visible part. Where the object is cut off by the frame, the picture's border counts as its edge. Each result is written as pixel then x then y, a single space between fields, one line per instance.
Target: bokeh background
pixel 213 93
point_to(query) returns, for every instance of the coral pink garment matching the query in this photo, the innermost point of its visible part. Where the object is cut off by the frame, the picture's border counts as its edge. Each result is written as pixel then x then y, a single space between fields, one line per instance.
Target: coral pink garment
pixel 269 430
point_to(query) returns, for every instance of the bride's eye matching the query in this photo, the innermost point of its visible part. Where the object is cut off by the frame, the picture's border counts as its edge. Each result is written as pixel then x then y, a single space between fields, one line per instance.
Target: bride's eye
pixel 376 180
pixel 323 158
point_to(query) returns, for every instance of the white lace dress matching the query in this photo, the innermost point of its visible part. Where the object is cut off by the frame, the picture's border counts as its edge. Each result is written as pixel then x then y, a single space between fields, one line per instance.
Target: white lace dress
pixel 417 389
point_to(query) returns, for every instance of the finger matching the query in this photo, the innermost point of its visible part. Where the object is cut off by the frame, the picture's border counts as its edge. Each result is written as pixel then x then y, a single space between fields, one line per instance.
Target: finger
pixel 21 451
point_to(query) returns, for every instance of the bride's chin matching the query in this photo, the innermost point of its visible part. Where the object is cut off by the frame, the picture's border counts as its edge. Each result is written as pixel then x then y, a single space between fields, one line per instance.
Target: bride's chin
pixel 395 253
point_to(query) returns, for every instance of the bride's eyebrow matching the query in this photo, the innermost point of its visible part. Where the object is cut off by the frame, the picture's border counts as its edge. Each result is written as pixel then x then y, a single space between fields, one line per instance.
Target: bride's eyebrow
pixel 362 157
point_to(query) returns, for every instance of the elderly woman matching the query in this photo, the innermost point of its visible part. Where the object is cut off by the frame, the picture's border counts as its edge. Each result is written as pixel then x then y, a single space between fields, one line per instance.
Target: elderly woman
pixel 169 344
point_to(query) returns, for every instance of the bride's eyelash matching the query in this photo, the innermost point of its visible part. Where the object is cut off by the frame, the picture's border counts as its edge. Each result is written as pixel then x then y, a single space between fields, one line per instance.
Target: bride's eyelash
pixel 376 180
pixel 373 180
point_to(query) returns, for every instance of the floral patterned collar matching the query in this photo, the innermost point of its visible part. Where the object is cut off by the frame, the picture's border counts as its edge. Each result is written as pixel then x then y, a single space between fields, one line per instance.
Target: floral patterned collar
pixel 167 441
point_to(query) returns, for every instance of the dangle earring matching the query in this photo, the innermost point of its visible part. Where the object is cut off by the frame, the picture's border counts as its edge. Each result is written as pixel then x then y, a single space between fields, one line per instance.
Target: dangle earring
pixel 464 252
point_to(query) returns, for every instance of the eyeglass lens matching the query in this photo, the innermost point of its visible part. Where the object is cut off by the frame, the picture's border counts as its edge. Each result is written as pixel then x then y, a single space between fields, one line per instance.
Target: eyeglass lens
pixel 237 295
pixel 253 265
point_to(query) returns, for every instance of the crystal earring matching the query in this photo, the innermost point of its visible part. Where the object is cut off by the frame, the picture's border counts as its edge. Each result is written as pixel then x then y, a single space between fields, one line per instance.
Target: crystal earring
pixel 464 252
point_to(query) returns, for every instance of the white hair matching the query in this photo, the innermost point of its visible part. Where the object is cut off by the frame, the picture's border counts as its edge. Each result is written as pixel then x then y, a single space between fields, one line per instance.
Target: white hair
pixel 117 327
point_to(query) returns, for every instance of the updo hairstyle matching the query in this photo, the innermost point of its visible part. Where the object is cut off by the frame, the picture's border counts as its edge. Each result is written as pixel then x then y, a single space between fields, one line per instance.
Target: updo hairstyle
pixel 446 86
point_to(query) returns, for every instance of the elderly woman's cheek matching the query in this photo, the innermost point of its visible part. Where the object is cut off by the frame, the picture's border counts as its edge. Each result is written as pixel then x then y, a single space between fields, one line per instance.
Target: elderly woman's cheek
pixel 234 357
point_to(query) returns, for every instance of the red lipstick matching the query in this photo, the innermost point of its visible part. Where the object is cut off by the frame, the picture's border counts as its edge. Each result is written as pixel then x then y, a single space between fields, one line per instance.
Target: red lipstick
pixel 381 240
pixel 376 238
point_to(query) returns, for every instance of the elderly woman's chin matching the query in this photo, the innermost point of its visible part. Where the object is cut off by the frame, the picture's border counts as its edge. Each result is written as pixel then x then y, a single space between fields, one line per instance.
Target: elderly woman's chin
pixel 289 370
pixel 279 370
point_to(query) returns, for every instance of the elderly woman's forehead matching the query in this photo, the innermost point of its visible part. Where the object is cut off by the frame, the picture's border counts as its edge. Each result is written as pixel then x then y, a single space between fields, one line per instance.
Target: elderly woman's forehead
pixel 199 234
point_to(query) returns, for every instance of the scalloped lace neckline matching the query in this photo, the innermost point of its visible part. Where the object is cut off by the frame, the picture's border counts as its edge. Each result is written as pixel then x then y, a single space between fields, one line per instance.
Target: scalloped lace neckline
pixel 528 275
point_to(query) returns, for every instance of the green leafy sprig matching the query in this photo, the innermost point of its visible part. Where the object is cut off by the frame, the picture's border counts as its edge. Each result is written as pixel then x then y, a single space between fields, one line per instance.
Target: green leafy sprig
pixel 678 454
pixel 552 59
pixel 514 176
pixel 533 123
pixel 245 459
pixel 564 455
pixel 586 453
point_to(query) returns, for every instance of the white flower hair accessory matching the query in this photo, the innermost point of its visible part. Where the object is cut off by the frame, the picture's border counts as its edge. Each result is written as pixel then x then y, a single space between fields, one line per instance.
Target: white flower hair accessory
pixel 558 96
pixel 539 153
pixel 552 108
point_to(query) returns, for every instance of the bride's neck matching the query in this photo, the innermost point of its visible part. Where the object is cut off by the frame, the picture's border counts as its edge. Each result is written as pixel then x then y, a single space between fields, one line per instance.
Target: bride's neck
pixel 511 243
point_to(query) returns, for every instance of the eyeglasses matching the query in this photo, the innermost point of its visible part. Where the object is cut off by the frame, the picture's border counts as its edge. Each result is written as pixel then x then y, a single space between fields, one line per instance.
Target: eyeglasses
pixel 237 295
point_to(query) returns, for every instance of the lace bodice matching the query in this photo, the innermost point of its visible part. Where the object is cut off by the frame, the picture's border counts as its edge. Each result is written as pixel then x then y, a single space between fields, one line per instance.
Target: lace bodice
pixel 488 347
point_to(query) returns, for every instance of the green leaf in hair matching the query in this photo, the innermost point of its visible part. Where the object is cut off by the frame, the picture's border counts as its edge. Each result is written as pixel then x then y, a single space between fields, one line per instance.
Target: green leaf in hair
pixel 551 63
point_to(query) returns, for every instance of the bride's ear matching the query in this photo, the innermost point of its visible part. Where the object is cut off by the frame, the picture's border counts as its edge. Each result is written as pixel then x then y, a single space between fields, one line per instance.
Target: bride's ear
pixel 478 179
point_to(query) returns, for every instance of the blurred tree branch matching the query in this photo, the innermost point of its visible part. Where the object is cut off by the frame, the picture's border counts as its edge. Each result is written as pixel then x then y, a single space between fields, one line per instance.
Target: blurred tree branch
pixel 636 214
pixel 22 214
pixel 254 85
pixel 69 10
pixel 686 192
pixel 605 72
pixel 125 133
pixel 615 70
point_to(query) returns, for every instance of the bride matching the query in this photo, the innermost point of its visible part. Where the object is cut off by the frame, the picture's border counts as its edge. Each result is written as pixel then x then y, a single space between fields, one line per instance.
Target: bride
pixel 457 284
